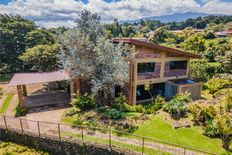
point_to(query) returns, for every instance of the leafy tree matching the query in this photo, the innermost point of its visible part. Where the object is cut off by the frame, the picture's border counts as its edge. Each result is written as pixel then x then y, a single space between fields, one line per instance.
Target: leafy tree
pixel 41 58
pixel 13 29
pixel 87 54
pixel 89 25
pixel 194 43
pixel 39 37
pixel 226 62
pixel 110 67
pixel 160 35
pixel 114 30
pixel 198 70
pixel 223 121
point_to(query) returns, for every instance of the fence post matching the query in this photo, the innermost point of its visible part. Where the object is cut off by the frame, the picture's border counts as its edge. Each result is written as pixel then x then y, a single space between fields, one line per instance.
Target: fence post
pixel 184 151
pixel 4 118
pixel 142 145
pixel 110 137
pixel 21 124
pixel 59 131
pixel 82 133
pixel 38 128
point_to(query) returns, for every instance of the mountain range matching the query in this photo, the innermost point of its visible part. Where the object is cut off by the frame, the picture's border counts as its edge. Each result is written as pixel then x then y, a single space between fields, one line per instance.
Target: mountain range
pixel 177 17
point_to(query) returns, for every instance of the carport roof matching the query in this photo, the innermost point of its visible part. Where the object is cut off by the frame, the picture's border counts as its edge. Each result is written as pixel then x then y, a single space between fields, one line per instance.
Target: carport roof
pixel 38 77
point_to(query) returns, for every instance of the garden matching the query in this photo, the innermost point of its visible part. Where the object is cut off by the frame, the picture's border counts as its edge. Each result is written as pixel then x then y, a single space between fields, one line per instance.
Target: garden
pixel 203 124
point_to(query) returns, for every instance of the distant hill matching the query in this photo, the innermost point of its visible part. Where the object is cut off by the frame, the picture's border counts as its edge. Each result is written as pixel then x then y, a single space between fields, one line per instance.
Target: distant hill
pixel 177 17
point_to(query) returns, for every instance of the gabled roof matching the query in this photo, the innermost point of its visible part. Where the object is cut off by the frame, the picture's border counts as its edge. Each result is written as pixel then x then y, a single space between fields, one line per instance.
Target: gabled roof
pixel 38 77
pixel 155 46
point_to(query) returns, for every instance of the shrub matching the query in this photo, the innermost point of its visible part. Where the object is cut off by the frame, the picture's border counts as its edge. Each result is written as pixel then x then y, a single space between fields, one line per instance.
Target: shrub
pixel 114 114
pixel 20 111
pixel 84 102
pixel 210 129
pixel 216 84
pixel 178 105
pixel 71 112
pixel 202 112
pixel 120 104
pixel 138 108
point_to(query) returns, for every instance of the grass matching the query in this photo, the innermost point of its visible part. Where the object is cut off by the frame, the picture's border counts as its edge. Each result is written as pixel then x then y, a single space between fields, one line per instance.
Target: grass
pixel 7 148
pixel 192 137
pixel 159 129
pixel 118 144
pixel 6 103
pixel 5 77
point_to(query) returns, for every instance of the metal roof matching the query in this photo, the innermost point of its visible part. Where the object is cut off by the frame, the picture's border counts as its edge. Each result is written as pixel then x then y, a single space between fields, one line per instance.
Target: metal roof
pixel 38 77
pixel 155 46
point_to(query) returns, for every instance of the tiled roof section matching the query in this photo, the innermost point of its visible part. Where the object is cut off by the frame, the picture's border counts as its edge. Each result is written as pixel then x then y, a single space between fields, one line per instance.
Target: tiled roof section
pixel 37 77
pixel 155 46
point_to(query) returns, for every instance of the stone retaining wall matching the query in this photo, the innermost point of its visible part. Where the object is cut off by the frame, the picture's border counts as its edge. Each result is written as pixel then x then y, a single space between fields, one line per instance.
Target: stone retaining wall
pixel 57 147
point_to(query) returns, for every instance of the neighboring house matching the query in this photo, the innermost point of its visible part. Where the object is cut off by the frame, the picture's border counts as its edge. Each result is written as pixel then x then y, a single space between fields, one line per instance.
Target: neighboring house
pixel 165 69
pixel 193 30
pixel 223 33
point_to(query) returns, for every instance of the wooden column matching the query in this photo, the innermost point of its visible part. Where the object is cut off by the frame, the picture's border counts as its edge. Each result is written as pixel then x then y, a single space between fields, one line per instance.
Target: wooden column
pixel 130 91
pixel 24 90
pixel 78 85
pixel 71 87
pixel 20 96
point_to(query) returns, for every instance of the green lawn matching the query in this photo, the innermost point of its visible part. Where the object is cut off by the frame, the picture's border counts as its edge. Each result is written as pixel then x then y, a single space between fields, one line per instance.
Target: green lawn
pixel 6 103
pixel 192 137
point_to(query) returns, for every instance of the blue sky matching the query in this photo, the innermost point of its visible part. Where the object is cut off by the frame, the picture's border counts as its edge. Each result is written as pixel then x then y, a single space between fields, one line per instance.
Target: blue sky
pixel 54 13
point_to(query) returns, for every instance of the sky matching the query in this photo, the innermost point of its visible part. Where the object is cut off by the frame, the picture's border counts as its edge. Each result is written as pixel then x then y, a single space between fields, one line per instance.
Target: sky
pixel 55 13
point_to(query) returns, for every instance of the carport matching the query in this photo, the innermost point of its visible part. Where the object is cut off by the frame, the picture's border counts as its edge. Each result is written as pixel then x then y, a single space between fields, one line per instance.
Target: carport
pixel 21 80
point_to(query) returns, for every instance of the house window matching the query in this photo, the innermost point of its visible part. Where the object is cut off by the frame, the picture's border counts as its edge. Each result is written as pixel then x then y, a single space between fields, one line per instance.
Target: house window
pixel 146 67
pixel 174 65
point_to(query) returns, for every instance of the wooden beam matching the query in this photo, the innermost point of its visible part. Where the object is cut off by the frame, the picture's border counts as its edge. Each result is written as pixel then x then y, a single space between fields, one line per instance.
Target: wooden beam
pixel 78 85
pixel 130 92
pixel 71 87
pixel 20 96
pixel 24 90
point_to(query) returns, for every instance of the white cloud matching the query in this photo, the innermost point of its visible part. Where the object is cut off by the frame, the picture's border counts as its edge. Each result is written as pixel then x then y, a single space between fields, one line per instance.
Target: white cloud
pixel 54 13
pixel 217 7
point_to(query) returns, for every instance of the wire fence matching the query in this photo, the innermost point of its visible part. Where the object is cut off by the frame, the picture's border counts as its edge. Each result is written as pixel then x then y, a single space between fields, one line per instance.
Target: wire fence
pixel 104 136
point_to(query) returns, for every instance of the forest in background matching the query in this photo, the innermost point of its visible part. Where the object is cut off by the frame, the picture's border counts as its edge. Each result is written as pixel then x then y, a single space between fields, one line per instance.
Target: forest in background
pixel 26 47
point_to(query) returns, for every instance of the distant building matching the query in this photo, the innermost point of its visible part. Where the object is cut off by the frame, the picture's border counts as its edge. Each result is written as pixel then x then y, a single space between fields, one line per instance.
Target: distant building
pixel 223 33
pixel 194 31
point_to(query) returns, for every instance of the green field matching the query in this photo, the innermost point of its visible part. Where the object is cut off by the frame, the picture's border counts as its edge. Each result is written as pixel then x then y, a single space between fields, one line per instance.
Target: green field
pixel 6 103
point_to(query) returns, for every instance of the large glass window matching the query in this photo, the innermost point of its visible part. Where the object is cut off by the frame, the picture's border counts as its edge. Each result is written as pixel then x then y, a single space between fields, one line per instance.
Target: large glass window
pixel 174 65
pixel 146 67
pixel 156 89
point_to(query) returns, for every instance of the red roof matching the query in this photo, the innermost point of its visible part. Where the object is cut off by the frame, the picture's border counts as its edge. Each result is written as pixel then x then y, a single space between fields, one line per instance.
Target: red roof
pixel 155 46
pixel 37 77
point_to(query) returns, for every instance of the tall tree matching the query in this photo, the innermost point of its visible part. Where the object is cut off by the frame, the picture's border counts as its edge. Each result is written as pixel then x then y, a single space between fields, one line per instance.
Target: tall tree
pixel 13 29
pixel 40 58
pixel 39 37
pixel 89 55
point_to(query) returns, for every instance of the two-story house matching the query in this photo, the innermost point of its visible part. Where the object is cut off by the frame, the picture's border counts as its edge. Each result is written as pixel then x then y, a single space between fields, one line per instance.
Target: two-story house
pixel 165 69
